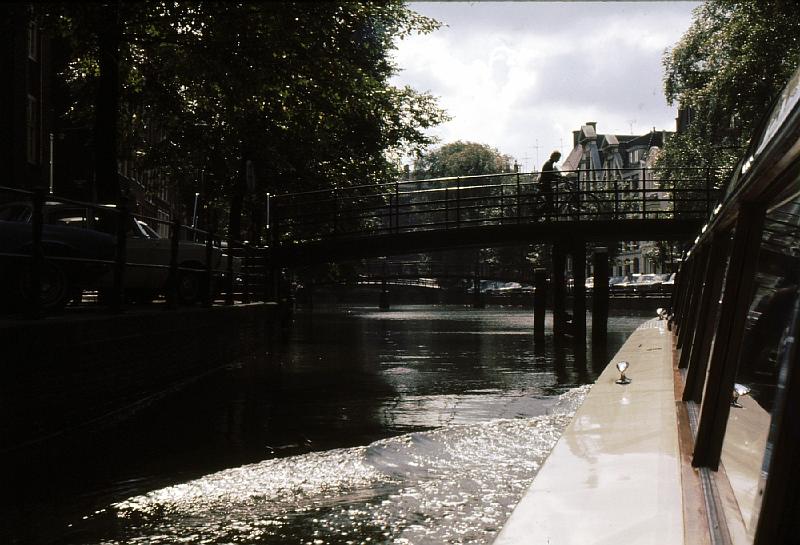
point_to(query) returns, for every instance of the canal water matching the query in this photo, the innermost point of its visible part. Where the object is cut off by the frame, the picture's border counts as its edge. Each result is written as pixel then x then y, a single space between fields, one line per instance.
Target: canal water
pixel 415 425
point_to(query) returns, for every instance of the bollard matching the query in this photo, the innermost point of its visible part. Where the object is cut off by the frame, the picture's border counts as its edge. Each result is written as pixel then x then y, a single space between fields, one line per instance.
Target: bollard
pixel 539 303
pixel 600 297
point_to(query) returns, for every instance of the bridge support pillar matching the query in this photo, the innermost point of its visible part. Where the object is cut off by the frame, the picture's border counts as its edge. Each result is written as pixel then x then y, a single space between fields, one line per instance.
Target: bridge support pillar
pixel 273 284
pixel 579 292
pixel 477 296
pixel 559 258
pixel 600 299
pixel 539 303
pixel 383 303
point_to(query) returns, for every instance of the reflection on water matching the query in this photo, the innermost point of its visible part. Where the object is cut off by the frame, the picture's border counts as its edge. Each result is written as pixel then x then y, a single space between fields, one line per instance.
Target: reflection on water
pixel 417 425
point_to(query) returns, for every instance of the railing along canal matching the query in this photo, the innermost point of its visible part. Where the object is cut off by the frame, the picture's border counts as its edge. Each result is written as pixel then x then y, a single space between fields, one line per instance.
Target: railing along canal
pixel 499 199
pixel 56 251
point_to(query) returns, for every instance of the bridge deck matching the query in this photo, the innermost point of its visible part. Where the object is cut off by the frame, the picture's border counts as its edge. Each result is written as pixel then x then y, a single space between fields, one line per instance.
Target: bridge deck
pixel 478 211
pixel 389 244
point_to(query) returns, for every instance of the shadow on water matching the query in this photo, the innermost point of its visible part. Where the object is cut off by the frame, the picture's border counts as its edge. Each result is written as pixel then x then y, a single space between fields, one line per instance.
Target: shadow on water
pixel 339 378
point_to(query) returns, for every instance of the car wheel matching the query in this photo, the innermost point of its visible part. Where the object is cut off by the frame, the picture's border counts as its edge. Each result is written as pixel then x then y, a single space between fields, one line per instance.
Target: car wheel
pixel 55 291
pixel 189 287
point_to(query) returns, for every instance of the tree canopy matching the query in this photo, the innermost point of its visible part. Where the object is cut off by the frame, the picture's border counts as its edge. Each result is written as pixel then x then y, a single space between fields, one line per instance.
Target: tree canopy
pixel 237 99
pixel 461 159
pixel 725 71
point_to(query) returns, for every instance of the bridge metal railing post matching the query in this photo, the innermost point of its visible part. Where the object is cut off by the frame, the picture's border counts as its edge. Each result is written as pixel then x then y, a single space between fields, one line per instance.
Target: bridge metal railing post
pixel 120 257
pixel 247 266
pixel 644 193
pixel 229 298
pixel 34 304
pixel 335 210
pixel 175 235
pixel 502 202
pixel 616 198
pixel 446 208
pixel 396 206
pixel 518 199
pixel 708 191
pixel 458 201
pixel 208 277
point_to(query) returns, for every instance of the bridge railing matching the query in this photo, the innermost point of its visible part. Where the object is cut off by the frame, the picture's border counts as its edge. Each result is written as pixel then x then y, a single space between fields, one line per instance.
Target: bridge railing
pixel 498 199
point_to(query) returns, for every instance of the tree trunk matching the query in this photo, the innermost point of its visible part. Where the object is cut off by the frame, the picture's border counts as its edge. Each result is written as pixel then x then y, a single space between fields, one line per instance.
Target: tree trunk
pixel 108 29
pixel 237 198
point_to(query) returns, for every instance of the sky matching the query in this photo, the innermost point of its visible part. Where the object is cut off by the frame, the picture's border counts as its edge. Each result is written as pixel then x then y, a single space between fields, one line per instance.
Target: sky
pixel 521 76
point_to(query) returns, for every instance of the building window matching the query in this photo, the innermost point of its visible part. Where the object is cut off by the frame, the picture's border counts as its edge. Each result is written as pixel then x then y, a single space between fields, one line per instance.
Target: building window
pixel 635 265
pixel 31 130
pixel 33 42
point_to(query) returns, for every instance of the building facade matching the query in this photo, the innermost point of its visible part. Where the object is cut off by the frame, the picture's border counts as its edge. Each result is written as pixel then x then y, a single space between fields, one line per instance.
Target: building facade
pixel 609 161
pixel 26 115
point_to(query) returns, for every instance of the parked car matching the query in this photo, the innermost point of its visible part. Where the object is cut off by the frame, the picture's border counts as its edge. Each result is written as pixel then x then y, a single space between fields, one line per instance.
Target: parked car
pixel 73 258
pixel 645 283
pixel 619 283
pixel 148 255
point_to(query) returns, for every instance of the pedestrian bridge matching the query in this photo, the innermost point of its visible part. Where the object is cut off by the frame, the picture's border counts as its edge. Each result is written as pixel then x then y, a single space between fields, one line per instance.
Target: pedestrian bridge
pixel 406 217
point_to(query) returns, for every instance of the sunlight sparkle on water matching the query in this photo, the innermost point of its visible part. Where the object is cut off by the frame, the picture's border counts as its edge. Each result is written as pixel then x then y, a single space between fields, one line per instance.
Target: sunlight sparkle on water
pixel 457 482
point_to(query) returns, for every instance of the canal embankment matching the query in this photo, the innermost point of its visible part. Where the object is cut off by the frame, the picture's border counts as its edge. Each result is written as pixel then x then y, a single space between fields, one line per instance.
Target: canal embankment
pixel 64 373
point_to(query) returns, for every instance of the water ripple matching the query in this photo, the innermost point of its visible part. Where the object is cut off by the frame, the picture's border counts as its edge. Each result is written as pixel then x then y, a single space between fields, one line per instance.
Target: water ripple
pixel 457 483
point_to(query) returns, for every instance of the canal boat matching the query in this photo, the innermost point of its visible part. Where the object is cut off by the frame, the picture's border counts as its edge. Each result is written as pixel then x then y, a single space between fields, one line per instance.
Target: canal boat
pixel 692 433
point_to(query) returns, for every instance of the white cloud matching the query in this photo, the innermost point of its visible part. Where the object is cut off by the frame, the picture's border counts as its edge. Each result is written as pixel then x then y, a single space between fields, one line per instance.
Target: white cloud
pixel 514 73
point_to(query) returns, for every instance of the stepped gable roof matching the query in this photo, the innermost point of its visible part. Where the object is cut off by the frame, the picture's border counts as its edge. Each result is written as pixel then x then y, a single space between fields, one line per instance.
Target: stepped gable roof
pixel 573 160
pixel 608 140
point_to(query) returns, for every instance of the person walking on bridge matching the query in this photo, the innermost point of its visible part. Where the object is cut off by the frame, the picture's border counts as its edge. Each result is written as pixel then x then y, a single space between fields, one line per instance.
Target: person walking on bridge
pixel 548 176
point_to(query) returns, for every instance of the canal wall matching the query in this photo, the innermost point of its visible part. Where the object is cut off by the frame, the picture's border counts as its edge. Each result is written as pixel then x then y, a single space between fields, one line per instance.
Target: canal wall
pixel 64 373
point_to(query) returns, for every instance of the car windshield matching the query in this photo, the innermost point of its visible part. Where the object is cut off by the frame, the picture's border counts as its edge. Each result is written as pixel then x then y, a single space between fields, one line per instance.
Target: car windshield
pixel 149 231
pixel 15 212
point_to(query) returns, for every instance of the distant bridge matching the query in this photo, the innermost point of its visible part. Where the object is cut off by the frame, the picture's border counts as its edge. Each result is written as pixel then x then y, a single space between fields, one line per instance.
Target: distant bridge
pixel 406 217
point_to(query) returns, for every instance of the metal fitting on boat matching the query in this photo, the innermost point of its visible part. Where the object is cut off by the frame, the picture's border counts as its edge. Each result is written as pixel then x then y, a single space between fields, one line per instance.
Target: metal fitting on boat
pixel 738 391
pixel 622 366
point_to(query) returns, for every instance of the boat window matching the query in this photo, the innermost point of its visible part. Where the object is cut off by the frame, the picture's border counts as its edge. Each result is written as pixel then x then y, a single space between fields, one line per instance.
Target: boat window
pixel 757 379
pixel 722 268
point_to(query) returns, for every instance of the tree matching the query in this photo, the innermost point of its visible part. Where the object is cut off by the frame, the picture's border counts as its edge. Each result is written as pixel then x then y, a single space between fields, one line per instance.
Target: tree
pixel 474 159
pixel 297 94
pixel 726 69
pixel 461 159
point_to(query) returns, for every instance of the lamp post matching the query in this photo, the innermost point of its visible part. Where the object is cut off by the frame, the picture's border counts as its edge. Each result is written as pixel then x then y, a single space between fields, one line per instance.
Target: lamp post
pixel 194 213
